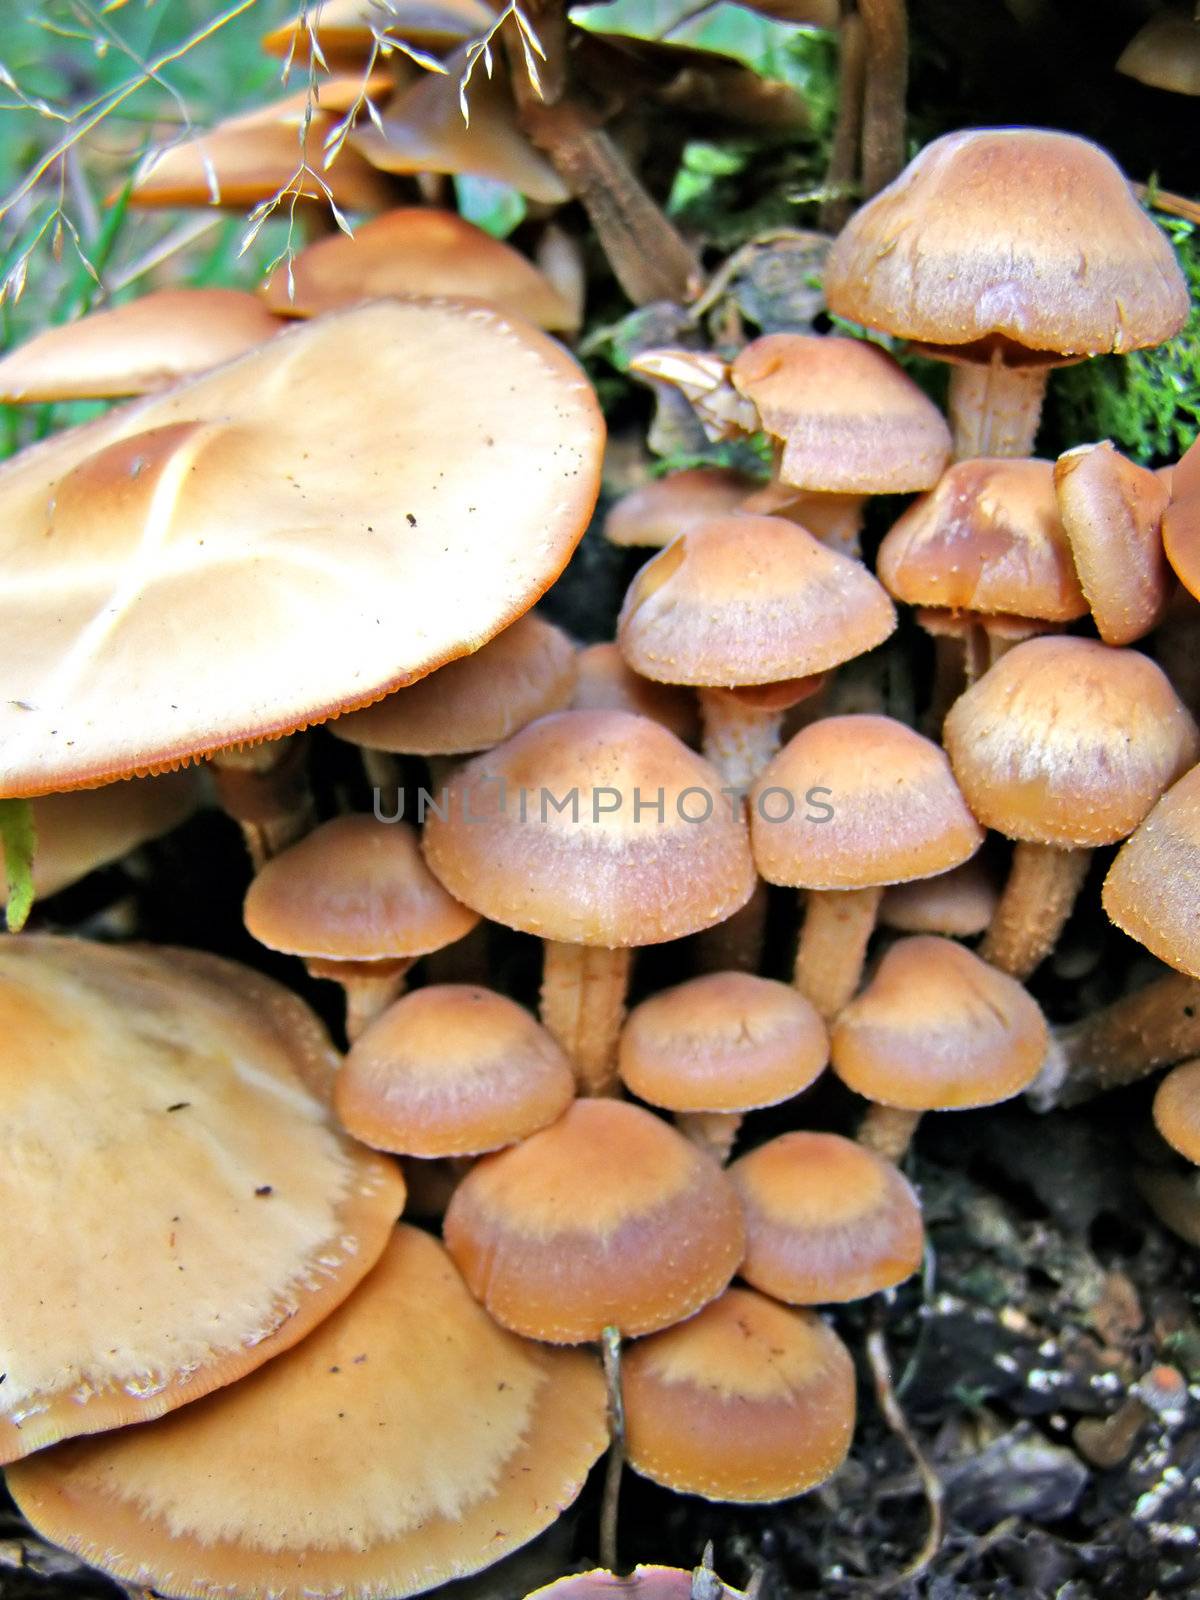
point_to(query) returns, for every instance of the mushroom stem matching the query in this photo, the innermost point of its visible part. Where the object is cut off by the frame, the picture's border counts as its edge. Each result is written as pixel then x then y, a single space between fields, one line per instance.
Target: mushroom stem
pixel 1042 886
pixel 994 409
pixel 736 945
pixel 843 150
pixel 369 987
pixel 382 771
pixel 739 739
pixel 885 26
pixel 888 1131
pixel 713 1131
pixel 583 1006
pixel 264 788
pixel 1155 1026
pixel 610 1504
pixel 838 924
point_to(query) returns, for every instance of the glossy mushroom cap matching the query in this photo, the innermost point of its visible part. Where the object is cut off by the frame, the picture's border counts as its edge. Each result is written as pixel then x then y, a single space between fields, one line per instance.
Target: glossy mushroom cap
pixel 1150 891
pixel 452 1070
pixel 1028 236
pixel 989 539
pixel 607 683
pixel 230 560
pixel 729 1041
pixel 136 348
pixel 937 1029
pixel 347 31
pixel 557 833
pixel 475 702
pixel 1177 1110
pixel 1181 521
pixel 826 1219
pixel 849 418
pixel 897 812
pixel 666 507
pixel 749 600
pixel 1165 53
pixel 417 250
pixel 609 1218
pixel 960 903
pixel 746 1401
pixel 355 889
pixel 172 1185
pixel 405 1442
pixel 1068 742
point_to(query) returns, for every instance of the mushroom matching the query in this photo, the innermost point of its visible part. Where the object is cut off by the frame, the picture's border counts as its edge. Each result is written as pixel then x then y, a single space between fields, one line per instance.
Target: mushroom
pixel 826 1220
pixel 936 1029
pixel 657 512
pixel 173 1187
pixel 643 1583
pixel 1165 53
pixel 452 1070
pixel 1007 251
pixel 1154 1026
pixel 135 348
pixel 599 832
pixel 356 901
pixel 606 683
pixel 960 903
pixel 1177 1110
pixel 1181 522
pixel 348 33
pixel 850 805
pixel 417 250
pixel 253 564
pixel 406 1442
pixel 718 1046
pixel 747 1401
pixel 1063 745
pixel 1151 888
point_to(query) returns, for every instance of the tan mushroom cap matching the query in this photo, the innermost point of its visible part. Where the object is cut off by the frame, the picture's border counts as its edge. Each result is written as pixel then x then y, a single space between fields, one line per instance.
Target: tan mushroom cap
pixel 407 1441
pixel 849 418
pixel 616 874
pixel 136 348
pixel 826 1219
pixel 749 600
pixel 347 30
pixel 989 538
pixel 938 1029
pixel 1177 1109
pixel 897 812
pixel 475 702
pixel 728 1041
pixel 173 1192
pixel 960 903
pixel 417 250
pixel 1150 890
pixel 1181 538
pixel 355 889
pixel 607 683
pixel 1165 53
pixel 452 1070
pixel 659 511
pixel 78 832
pixel 1068 742
pixel 1030 236
pixel 1112 512
pixel 230 560
pixel 609 1218
pixel 423 131
pixel 746 1401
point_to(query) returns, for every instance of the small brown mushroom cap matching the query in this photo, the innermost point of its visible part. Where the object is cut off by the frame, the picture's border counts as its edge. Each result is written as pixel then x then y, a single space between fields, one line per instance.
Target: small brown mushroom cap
pixel 746 1401
pixel 416 250
pixel 557 833
pixel 1177 1109
pixel 988 539
pixel 938 1029
pixel 661 510
pixel 607 683
pixel 475 702
pixel 749 600
pixel 1165 53
pixel 897 812
pixel 1150 890
pixel 172 1185
pixel 347 30
pixel 609 1218
pixel 452 1070
pixel 960 903
pixel 1181 531
pixel 136 348
pixel 405 1442
pixel 728 1041
pixel 849 418
pixel 1112 512
pixel 354 889
pixel 826 1219
pixel 1029 235
pixel 1068 742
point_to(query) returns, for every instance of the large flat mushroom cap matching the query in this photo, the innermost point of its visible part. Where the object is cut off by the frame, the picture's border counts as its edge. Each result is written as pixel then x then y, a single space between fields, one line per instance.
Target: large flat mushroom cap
pixel 176 1203
pixel 405 1442
pixel 232 559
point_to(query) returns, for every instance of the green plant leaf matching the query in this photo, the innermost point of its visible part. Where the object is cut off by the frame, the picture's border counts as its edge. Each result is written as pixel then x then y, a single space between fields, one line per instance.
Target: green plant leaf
pixel 18 839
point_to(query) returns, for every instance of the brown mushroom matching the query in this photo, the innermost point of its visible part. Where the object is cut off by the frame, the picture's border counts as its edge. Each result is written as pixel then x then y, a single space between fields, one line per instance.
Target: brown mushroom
pixel 607 683
pixel 1177 1110
pixel 662 509
pixel 1150 890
